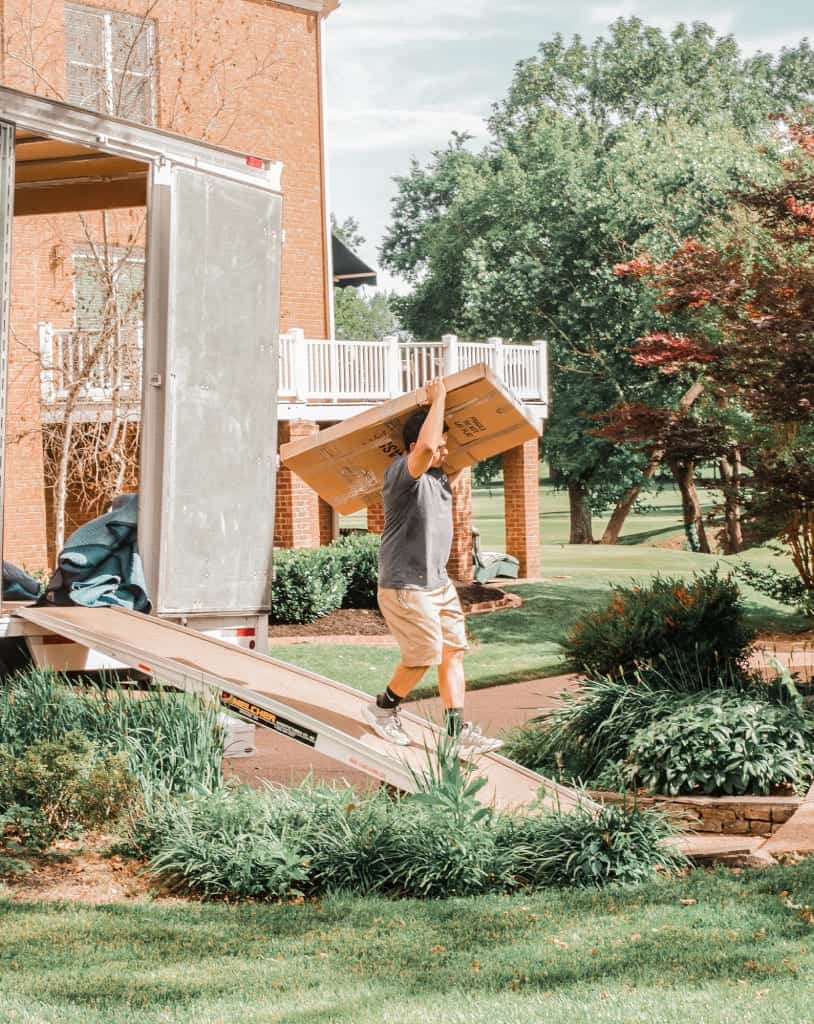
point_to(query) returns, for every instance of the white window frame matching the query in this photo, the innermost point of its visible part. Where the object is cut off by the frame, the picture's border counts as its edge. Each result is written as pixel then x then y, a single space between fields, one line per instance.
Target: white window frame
pixel 147 25
pixel 82 253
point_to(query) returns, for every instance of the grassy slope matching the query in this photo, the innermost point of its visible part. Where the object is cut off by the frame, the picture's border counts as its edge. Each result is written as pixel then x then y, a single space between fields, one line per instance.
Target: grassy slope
pixel 736 955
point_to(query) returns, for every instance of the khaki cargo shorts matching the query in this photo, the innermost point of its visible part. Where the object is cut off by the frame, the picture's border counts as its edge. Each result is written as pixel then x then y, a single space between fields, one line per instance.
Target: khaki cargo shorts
pixel 424 622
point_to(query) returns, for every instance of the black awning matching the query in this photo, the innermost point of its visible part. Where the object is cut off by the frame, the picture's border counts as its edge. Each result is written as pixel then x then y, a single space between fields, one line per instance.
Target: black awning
pixel 349 270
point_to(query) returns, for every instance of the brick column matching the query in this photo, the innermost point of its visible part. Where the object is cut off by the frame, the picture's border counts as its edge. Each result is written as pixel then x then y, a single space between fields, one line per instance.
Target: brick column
pixel 328 523
pixel 375 518
pixel 297 514
pixel 521 495
pixel 459 565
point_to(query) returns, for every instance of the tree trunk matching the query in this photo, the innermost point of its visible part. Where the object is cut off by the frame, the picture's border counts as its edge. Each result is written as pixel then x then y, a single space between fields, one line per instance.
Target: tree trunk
pixel 622 510
pixel 684 473
pixel 61 489
pixel 581 526
pixel 731 481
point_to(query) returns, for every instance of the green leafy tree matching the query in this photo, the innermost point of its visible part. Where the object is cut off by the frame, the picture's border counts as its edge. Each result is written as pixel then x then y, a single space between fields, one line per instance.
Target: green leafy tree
pixel 360 317
pixel 597 153
pixel 357 315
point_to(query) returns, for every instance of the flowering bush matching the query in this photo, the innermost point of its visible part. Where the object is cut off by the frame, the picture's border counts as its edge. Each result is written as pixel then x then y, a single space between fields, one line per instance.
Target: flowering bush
pixel 698 623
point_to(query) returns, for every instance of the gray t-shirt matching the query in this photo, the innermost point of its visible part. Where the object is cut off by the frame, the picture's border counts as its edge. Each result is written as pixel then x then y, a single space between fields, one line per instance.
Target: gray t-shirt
pixel 417 536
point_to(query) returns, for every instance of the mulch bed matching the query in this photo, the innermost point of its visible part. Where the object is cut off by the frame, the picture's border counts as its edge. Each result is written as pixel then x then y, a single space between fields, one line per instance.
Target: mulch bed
pixel 369 622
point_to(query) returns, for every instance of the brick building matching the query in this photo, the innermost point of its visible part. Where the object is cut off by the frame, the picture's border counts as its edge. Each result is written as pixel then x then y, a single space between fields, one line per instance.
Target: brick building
pixel 246 74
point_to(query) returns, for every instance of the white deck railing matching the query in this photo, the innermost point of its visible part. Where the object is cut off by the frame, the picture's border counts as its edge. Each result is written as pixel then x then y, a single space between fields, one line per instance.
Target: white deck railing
pixel 325 370
pixel 312 371
pixel 94 366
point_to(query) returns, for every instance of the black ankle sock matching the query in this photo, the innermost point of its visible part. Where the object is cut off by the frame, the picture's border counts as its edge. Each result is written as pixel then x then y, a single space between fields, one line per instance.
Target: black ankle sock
pixel 454 720
pixel 388 700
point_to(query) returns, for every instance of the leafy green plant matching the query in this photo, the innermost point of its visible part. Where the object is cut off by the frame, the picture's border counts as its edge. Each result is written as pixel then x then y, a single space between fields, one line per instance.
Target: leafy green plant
pixel 593 729
pixel 782 587
pixel 357 557
pixel 308 584
pixel 220 844
pixel 700 622
pixel 723 743
pixel 169 738
pixel 586 847
pixel 69 781
pixel 437 843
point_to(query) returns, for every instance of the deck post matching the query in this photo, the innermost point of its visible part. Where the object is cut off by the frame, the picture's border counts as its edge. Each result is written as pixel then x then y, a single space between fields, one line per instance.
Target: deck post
pixel 299 347
pixel 542 371
pixel 451 356
pixel 497 355
pixel 392 361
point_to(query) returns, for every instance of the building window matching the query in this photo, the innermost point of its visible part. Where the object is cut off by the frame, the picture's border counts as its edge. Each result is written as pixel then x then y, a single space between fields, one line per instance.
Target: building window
pixel 110 61
pixel 108 292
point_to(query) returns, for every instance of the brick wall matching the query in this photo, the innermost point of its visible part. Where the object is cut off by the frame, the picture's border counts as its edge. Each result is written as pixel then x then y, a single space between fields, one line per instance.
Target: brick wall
pixel 521 492
pixel 459 565
pixel 328 523
pixel 297 519
pixel 375 518
pixel 238 73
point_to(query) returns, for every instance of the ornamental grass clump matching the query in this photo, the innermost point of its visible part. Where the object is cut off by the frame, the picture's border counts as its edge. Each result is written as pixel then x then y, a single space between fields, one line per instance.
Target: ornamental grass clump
pixel 170 739
pixel 593 729
pixel 700 622
pixel 590 848
pixel 439 842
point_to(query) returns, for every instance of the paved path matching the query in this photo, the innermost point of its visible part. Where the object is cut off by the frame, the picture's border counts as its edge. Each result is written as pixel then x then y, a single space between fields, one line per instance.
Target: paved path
pixel 499 707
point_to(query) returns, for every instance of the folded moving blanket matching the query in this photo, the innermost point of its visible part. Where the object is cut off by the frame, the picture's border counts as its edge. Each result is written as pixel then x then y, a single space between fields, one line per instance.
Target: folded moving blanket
pixel 100 563
pixel 18 585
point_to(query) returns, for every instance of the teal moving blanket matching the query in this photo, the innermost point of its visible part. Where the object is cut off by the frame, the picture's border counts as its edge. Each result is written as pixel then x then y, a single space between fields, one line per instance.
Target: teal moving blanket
pixel 100 563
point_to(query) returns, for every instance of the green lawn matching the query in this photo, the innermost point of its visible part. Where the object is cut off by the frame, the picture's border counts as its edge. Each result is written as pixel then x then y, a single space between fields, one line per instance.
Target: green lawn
pixel 512 645
pixel 733 952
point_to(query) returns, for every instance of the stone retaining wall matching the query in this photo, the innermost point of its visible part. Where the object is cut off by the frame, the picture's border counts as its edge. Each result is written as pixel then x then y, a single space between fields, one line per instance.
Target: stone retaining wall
pixel 728 815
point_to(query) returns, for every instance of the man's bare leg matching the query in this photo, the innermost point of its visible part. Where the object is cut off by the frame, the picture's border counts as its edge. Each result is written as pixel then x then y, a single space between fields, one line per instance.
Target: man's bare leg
pixel 451 678
pixel 452 684
pixel 405 679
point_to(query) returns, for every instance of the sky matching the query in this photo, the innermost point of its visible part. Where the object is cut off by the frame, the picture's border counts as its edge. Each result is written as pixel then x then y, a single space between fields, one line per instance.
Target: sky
pixel 402 75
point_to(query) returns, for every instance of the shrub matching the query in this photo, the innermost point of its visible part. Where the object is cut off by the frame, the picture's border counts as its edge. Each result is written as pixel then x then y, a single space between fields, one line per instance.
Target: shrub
pixel 782 587
pixel 699 623
pixel 221 844
pixel 69 781
pixel 307 585
pixel 593 729
pixel 723 743
pixel 358 559
pixel 438 843
pixel 170 739
pixel 589 848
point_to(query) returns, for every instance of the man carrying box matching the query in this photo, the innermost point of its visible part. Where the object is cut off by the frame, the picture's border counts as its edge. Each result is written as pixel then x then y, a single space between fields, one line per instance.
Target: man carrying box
pixel 419 604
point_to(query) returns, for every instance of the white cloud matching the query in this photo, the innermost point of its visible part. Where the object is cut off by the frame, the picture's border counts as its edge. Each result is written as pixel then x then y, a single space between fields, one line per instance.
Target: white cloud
pixel 376 128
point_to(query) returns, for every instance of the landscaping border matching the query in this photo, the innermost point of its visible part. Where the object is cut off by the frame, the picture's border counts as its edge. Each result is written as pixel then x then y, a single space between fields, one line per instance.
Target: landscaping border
pixel 726 815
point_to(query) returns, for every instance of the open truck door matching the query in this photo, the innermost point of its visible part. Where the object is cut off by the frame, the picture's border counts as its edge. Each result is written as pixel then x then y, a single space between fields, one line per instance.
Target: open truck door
pixel 209 424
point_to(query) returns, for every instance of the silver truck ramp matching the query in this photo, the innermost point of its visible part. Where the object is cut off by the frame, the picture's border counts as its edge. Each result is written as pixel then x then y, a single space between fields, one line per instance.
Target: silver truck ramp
pixel 308 708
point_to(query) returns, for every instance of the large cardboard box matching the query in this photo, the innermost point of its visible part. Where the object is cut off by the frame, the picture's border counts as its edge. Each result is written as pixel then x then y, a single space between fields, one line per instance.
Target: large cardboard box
pixel 345 464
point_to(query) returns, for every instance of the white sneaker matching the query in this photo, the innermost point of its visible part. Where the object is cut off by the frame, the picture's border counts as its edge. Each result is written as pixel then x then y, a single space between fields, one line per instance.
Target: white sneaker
pixel 472 742
pixel 386 722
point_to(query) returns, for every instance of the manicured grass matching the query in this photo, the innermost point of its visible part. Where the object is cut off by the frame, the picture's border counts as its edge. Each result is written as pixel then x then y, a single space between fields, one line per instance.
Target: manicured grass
pixel 733 952
pixel 524 643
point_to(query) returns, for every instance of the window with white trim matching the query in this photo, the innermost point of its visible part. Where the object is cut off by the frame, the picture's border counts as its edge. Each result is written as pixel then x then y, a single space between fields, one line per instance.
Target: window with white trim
pixel 113 293
pixel 110 62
